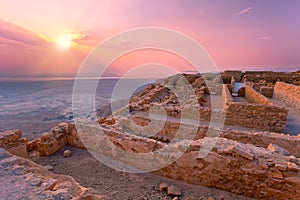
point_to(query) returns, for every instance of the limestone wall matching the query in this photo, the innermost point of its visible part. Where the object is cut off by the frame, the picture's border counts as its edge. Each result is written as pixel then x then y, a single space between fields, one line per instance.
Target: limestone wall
pixel 12 141
pixel 169 129
pixel 241 169
pixel 55 139
pixel 232 166
pixel 261 114
pixel 255 97
pixel 263 117
pixel 227 98
pixel 271 77
pixel 288 93
pixel 236 74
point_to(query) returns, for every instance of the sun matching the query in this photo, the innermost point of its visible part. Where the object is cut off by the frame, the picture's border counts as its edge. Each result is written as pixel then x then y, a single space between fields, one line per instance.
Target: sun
pixel 64 42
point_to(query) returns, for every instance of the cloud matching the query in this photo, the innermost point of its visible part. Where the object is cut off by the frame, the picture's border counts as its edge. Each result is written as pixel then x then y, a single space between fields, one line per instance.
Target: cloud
pixel 244 11
pixel 11 32
pixel 267 37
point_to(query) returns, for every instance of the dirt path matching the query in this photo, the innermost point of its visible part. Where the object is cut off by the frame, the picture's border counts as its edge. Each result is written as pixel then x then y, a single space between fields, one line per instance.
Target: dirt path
pixel 116 185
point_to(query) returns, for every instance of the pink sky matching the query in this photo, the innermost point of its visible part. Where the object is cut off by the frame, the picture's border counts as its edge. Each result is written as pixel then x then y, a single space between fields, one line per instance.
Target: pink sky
pixel 237 34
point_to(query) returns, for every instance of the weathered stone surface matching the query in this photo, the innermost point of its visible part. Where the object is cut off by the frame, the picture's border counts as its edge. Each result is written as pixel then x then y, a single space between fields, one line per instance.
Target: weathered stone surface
pixel 266 91
pixel 73 138
pixel 24 179
pixel 237 173
pixel 243 152
pixel 11 140
pixel 278 149
pixel 173 191
pixel 164 186
pixel 288 93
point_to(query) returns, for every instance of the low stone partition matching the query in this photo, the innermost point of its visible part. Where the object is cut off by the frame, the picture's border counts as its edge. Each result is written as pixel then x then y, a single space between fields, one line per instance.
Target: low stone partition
pixel 261 113
pixel 255 97
pixel 288 94
pixel 55 139
pixel 263 117
pixel 227 97
pixel 12 141
pixel 168 129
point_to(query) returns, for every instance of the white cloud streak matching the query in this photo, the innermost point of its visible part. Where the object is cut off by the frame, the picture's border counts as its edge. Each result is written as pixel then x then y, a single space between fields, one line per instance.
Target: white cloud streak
pixel 244 11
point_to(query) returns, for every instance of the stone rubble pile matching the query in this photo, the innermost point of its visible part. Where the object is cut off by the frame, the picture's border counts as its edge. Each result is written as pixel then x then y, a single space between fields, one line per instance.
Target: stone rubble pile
pixel 24 179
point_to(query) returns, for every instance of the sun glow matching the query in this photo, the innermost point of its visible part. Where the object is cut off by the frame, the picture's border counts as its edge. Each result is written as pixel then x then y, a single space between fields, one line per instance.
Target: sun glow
pixel 64 42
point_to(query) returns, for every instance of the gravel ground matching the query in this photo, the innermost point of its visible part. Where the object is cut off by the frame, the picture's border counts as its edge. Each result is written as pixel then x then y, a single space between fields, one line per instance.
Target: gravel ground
pixel 117 185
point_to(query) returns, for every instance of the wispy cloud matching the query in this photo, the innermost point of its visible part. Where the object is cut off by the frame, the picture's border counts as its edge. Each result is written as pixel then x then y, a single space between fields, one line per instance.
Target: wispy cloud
pixel 244 11
pixel 267 37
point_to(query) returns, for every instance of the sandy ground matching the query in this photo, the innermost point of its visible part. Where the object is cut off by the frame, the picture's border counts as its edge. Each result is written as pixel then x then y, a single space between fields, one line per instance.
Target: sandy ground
pixel 117 185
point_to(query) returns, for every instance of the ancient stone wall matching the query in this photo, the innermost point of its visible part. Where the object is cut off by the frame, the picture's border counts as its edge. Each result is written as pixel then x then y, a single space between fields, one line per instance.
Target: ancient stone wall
pixel 232 166
pixel 263 117
pixel 236 74
pixel 266 91
pixel 261 114
pixel 169 129
pixel 239 168
pixel 12 141
pixel 271 77
pixel 227 97
pixel 255 97
pixel 288 93
pixel 55 139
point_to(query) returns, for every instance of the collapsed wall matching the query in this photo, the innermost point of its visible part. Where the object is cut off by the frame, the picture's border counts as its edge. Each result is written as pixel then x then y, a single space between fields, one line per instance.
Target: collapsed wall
pixel 288 94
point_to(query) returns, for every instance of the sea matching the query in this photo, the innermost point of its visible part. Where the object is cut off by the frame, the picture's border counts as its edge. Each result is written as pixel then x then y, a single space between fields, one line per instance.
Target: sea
pixel 35 106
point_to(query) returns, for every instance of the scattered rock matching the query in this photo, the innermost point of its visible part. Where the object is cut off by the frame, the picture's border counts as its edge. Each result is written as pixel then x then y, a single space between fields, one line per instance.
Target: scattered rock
pixel 293 167
pixel 210 198
pixel 49 185
pixel 173 191
pixel 275 173
pixel 34 180
pixel 67 153
pixel 278 149
pixel 243 152
pixel 164 186
pixel 50 167
pixel 18 170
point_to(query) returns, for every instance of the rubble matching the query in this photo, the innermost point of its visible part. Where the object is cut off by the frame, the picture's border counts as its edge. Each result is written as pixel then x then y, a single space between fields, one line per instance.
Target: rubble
pixel 36 182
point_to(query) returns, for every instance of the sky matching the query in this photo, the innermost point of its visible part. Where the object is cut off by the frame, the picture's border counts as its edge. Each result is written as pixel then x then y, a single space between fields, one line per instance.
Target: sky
pixel 49 38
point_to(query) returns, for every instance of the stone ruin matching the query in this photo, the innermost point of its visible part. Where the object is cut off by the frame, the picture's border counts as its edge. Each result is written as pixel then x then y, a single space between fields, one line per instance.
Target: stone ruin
pixel 261 163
